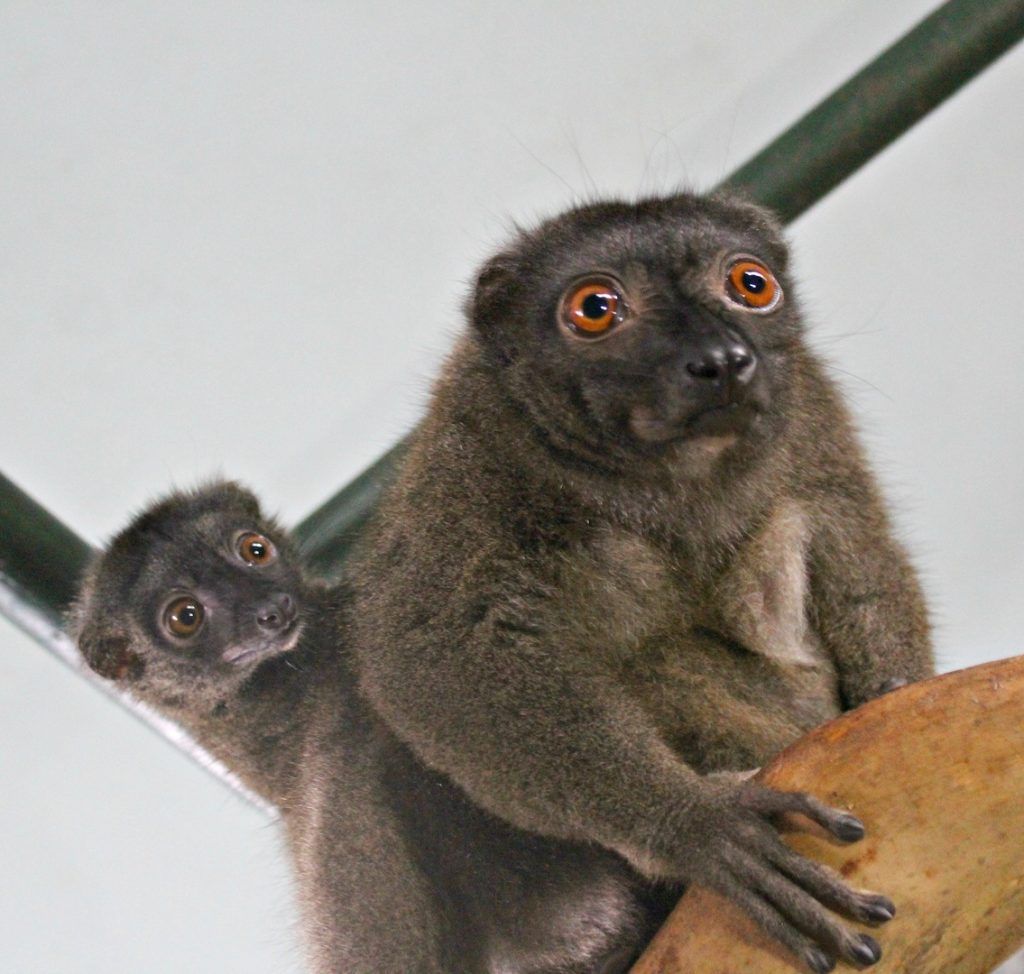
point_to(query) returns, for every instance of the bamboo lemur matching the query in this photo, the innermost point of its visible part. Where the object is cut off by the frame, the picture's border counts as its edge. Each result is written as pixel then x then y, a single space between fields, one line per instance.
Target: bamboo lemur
pixel 635 549
pixel 199 608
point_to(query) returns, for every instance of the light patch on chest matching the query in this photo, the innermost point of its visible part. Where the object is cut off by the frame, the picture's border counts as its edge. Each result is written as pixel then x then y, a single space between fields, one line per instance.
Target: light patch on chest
pixel 764 596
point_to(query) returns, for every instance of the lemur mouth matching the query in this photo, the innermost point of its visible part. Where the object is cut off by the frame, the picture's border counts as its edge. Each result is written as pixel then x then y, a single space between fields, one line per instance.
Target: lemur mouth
pixel 726 422
pixel 247 653
pixel 733 418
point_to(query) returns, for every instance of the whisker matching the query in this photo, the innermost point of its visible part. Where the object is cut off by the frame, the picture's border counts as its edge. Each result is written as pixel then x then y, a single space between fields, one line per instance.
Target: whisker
pixel 540 162
pixel 870 385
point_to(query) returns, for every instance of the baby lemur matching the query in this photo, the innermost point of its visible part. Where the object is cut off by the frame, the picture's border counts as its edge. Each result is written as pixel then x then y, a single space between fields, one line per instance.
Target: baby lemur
pixel 635 549
pixel 199 607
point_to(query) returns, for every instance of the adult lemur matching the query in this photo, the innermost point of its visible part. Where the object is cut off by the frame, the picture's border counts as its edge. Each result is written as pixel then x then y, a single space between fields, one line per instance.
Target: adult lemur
pixel 199 608
pixel 635 550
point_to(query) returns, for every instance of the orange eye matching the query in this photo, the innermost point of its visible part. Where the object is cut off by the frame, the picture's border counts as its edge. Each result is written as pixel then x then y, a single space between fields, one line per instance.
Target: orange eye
pixel 254 549
pixel 591 308
pixel 184 616
pixel 753 285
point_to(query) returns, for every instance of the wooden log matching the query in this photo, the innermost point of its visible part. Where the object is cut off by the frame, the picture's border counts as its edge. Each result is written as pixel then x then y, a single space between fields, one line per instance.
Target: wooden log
pixel 936 772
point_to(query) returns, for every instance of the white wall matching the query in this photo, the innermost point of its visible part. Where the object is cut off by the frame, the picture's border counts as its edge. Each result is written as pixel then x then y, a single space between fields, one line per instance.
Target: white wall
pixel 236 237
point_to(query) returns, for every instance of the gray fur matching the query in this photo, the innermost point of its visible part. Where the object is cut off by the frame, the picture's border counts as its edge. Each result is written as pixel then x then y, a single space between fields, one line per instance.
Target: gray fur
pixel 397 872
pixel 590 630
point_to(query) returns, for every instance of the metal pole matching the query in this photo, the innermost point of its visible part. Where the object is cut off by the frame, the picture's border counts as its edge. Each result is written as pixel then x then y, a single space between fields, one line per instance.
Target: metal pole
pixel 879 103
pixel 326 536
pixel 41 559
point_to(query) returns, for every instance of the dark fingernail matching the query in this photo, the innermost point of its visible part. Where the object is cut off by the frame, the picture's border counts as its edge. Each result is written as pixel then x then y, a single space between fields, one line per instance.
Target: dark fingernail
pixel 865 950
pixel 819 961
pixel 849 829
pixel 880 910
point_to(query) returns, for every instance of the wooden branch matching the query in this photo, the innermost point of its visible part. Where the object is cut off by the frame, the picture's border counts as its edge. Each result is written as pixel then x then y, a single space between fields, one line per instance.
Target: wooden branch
pixel 936 772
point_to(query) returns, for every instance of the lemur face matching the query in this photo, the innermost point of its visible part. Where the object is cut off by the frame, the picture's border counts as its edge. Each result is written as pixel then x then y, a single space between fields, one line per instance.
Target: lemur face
pixel 199 587
pixel 650 329
pixel 229 598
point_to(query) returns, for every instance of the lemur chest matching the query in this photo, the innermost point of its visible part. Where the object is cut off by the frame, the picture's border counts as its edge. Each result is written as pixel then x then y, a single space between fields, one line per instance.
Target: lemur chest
pixel 722 655
pixel 626 596
pixel 762 599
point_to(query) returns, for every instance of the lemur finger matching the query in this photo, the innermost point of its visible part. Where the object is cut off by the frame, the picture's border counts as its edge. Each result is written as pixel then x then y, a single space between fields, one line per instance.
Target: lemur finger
pixel 768 918
pixel 828 888
pixel 808 915
pixel 838 822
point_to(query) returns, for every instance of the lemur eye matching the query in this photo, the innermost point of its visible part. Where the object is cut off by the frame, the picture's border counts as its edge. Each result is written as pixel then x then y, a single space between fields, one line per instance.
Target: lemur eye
pixel 752 285
pixel 184 616
pixel 254 549
pixel 592 307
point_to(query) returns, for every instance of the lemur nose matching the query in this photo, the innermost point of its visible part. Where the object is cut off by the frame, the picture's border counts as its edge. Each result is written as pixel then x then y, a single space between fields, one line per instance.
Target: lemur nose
pixel 276 613
pixel 717 363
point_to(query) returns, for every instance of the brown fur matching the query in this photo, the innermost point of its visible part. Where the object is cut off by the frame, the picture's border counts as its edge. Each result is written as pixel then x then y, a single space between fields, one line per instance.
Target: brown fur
pixel 578 627
pixel 398 873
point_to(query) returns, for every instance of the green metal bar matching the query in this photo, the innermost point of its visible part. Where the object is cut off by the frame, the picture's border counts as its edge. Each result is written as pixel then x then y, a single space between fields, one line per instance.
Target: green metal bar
pixel 832 141
pixel 40 557
pixel 878 104
pixel 326 536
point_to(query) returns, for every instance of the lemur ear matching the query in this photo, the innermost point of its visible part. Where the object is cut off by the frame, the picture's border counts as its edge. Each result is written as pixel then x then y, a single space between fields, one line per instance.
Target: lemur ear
pixel 109 653
pixel 488 301
pixel 496 275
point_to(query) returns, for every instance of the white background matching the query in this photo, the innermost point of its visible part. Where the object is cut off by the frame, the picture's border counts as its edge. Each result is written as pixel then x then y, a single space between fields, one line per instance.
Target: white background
pixel 235 239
